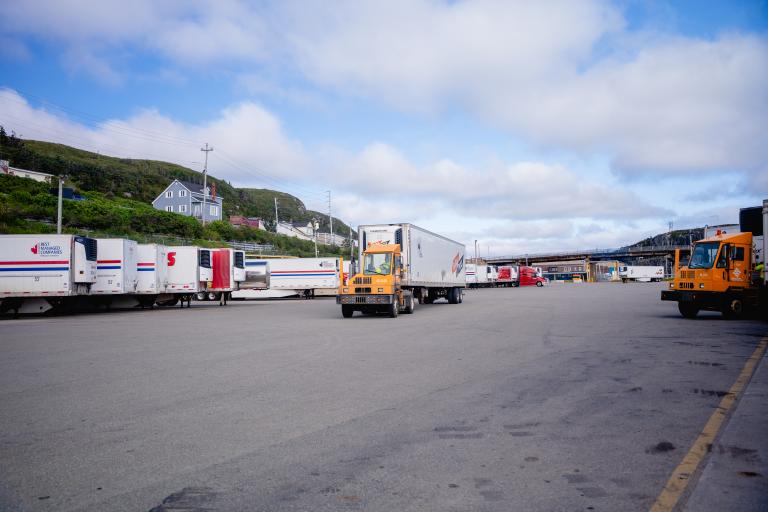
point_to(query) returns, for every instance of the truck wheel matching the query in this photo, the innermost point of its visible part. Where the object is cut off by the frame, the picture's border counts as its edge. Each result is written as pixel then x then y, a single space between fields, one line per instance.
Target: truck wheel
pixel 410 304
pixel 347 311
pixel 452 296
pixel 201 296
pixel 394 309
pixel 539 284
pixel 733 309
pixel 688 309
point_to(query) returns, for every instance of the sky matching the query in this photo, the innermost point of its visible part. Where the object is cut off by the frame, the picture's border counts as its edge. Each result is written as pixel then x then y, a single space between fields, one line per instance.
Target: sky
pixel 527 126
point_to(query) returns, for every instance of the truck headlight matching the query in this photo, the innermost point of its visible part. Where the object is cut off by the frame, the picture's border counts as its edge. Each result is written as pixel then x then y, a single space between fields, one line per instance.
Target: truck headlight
pixel 381 290
pixel 671 285
pixel 345 290
pixel 701 285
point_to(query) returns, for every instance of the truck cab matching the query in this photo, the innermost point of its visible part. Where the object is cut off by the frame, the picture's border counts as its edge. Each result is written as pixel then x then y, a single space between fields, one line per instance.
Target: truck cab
pixel 377 286
pixel 718 277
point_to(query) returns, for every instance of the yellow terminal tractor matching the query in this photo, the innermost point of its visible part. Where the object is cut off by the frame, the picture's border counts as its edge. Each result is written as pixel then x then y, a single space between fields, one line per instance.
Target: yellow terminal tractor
pixel 401 265
pixel 726 272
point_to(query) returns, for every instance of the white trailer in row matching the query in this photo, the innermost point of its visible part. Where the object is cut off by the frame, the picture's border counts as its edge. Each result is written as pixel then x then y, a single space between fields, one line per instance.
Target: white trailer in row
pixel 41 272
pixel 641 273
pixel 291 277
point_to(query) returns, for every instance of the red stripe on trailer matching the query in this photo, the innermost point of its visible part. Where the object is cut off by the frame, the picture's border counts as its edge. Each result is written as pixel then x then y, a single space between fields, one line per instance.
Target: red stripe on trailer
pixel 38 262
pixel 150 264
pixel 109 261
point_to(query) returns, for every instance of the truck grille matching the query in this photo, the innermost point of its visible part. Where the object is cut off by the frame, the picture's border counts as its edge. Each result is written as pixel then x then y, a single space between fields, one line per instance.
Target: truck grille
pixel 362 280
pixel 360 300
pixel 367 289
pixel 687 274
pixel 686 286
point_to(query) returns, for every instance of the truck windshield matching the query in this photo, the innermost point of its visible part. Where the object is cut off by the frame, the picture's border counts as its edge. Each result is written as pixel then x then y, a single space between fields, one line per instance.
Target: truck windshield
pixel 704 255
pixel 377 264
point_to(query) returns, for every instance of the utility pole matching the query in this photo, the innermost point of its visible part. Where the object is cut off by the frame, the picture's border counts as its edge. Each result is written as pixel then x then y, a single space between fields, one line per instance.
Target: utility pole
pixel 350 243
pixel 62 177
pixel 315 227
pixel 206 150
pixel 330 218
pixel 276 219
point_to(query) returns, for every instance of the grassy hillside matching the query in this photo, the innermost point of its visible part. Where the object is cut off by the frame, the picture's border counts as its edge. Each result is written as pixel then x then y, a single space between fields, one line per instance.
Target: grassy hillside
pixel 27 206
pixel 144 180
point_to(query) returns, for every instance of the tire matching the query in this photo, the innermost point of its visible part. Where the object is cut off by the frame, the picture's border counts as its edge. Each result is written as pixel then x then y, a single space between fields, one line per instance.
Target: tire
pixel 733 309
pixel 347 311
pixel 394 309
pixel 410 305
pixel 201 296
pixel 453 297
pixel 688 309
pixel 539 284
pixel 213 296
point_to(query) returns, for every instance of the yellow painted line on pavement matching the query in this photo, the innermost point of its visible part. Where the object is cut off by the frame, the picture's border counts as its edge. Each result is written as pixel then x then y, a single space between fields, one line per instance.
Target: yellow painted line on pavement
pixel 680 477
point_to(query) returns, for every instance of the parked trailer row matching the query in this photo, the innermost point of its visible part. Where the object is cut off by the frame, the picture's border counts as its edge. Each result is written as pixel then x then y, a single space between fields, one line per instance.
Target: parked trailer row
pixel 41 272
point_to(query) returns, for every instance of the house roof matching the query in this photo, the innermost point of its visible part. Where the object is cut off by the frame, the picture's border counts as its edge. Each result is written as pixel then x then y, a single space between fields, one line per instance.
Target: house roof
pixel 197 188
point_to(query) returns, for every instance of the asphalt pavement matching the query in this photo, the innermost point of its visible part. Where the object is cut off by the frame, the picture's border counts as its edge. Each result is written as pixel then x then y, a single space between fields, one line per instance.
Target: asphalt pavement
pixel 567 397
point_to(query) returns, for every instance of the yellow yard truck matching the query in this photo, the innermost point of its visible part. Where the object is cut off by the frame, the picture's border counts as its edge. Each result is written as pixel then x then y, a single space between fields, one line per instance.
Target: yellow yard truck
pixel 399 266
pixel 726 271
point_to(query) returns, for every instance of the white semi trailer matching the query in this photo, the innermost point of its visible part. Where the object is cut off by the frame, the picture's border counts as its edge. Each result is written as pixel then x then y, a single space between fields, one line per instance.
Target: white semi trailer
pixel 39 272
pixel 290 277
pixel 643 274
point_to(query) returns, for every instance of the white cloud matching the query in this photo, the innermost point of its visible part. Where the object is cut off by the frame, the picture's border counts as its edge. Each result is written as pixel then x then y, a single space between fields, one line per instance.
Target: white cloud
pixel 246 139
pixel 559 73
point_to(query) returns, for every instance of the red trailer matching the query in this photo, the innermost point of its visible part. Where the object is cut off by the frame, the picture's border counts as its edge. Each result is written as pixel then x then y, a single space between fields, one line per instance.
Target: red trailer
pixel 529 276
pixel 228 269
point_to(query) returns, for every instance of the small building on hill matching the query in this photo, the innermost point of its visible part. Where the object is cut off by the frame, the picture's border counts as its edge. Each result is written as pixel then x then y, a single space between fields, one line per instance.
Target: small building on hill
pixel 251 222
pixel 5 168
pixel 186 198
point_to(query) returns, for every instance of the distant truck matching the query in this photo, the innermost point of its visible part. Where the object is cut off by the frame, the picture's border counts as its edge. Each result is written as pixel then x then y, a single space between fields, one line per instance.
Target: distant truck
pixel 39 272
pixel 508 276
pixel 643 274
pixel 723 273
pixel 530 276
pixel 401 265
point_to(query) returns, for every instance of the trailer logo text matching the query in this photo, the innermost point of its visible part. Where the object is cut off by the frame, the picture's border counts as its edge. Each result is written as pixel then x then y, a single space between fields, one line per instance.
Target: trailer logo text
pixel 47 249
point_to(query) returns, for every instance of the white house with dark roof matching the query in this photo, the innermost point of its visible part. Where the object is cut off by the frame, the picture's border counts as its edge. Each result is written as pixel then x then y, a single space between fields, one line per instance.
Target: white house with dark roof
pixel 186 198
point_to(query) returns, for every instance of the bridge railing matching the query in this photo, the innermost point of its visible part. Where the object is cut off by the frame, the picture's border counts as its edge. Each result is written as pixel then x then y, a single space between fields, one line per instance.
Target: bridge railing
pixel 624 251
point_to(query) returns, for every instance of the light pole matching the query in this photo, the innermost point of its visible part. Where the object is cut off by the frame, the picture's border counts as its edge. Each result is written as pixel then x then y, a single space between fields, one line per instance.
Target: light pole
pixel 316 226
pixel 476 264
pixel 62 177
pixel 206 150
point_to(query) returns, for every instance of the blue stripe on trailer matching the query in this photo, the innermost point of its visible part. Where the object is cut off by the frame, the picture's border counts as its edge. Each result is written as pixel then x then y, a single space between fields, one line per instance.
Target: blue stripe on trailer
pixel 108 267
pixel 31 269
pixel 145 269
pixel 303 275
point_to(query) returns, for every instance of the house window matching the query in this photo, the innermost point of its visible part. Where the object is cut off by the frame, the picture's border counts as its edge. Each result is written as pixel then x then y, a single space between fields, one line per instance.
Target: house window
pixel 182 193
pixel 169 208
pixel 169 194
pixel 182 208
pixel 215 211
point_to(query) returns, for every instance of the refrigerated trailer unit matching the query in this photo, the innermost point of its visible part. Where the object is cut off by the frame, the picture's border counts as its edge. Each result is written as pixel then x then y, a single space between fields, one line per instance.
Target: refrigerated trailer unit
pixel 39 272
pixel 151 273
pixel 477 275
pixel 189 271
pixel 641 273
pixel 116 269
pixel 508 276
pixel 228 273
pixel 304 277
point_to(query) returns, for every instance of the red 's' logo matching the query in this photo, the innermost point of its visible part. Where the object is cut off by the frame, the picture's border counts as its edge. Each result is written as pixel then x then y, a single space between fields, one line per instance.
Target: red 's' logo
pixel 171 259
pixel 34 249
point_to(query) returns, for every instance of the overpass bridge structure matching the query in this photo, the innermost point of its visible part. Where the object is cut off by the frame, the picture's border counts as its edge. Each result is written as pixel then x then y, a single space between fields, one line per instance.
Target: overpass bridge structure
pixel 623 253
